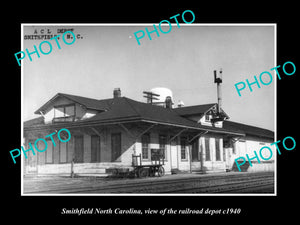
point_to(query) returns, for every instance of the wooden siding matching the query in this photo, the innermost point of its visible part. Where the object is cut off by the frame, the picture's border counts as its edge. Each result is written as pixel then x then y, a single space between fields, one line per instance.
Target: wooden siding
pixel 93 152
pixel 78 157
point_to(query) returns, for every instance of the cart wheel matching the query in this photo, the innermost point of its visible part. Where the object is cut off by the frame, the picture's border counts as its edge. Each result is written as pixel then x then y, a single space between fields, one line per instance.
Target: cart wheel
pixel 143 172
pixel 135 172
pixel 115 172
pixel 152 171
pixel 161 171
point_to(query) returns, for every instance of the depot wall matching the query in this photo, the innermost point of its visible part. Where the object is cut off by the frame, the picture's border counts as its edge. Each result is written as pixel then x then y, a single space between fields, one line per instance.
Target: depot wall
pixel 209 164
pixel 61 155
pixel 129 146
pixel 247 146
pixel 173 158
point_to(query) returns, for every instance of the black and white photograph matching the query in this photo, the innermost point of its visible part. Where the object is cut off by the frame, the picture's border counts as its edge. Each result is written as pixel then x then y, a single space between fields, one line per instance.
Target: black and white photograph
pixel 159 116
pixel 144 113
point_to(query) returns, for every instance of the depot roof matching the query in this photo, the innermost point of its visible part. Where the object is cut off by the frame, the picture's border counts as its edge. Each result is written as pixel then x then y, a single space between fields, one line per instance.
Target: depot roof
pixel 248 129
pixel 124 110
pixel 89 103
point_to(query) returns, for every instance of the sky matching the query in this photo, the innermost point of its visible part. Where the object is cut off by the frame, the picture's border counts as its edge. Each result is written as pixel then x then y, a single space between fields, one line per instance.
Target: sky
pixel 105 57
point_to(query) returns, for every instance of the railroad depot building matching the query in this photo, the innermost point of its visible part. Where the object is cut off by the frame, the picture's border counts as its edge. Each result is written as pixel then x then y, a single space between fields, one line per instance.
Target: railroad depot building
pixel 107 133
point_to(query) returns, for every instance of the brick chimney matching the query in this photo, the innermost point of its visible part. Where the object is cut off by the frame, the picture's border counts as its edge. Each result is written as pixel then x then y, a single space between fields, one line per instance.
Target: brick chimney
pixel 117 93
pixel 168 102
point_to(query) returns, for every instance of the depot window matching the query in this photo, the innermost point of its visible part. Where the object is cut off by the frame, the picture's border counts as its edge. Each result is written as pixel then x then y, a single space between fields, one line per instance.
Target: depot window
pixel 207 118
pixel 64 113
pixel 162 145
pixel 183 144
pixel 218 151
pixel 145 146
pixel 207 149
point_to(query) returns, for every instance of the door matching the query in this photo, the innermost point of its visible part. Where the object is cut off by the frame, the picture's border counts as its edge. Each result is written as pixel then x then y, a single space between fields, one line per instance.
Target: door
pixel 227 157
pixel 174 155
pixel 95 148
pixel 195 151
pixel 115 147
pixel 227 152
pixel 78 149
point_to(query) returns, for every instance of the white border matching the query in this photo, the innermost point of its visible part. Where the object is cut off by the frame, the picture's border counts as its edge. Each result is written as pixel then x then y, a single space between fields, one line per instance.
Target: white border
pixel 151 24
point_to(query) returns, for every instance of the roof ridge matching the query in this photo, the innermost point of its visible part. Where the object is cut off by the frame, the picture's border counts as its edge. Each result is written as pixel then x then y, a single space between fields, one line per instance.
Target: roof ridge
pixel 195 105
pixel 126 99
pixel 108 102
pixel 77 96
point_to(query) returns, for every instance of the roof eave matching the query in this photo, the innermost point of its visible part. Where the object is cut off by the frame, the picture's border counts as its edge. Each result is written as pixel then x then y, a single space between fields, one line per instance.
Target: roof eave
pixel 43 107
pixel 124 120
pixel 195 128
pixel 82 124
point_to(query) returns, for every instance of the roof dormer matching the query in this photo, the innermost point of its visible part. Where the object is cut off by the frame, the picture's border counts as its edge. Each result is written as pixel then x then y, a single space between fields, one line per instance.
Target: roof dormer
pixel 69 108
pixel 204 114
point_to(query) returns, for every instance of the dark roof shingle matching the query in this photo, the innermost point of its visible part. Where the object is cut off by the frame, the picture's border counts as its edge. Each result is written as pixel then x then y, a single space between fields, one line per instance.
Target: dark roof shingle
pixel 247 129
pixel 123 107
pixel 126 109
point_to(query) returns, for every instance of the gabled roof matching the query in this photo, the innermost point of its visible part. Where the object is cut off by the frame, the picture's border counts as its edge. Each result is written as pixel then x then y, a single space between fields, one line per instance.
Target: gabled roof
pixel 122 109
pixel 247 129
pixel 89 103
pixel 127 108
